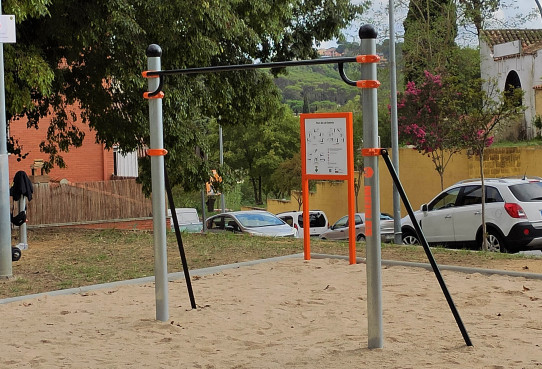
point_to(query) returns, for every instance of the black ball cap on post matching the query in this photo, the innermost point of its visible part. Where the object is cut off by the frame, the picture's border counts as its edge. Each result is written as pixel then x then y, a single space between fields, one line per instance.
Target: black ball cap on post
pixel 367 31
pixel 153 50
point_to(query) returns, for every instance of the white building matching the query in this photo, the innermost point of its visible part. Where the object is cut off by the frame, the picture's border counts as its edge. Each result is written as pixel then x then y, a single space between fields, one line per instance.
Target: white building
pixel 510 57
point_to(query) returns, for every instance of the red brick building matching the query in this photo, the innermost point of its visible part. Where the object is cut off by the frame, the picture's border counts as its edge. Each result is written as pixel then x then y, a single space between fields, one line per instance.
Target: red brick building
pixel 90 162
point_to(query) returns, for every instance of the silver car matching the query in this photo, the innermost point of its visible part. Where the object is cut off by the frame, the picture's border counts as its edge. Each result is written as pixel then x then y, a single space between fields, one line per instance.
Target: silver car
pixel 254 222
pixel 339 230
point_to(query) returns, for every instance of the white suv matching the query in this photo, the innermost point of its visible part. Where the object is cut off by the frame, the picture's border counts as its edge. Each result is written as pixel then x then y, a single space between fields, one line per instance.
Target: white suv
pixel 318 221
pixel 513 215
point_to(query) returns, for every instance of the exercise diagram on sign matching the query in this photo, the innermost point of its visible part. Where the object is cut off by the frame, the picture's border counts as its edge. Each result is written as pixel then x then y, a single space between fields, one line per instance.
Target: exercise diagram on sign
pixel 326 146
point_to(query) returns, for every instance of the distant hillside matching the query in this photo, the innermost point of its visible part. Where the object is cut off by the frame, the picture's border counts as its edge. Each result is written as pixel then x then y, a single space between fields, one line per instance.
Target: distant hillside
pixel 320 87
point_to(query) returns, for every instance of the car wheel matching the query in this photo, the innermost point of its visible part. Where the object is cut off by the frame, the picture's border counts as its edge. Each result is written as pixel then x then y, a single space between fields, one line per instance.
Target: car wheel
pixel 360 237
pixel 495 242
pixel 410 238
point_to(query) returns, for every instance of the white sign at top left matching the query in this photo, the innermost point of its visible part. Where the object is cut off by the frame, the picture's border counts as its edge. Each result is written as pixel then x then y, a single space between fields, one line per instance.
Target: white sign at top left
pixel 7 29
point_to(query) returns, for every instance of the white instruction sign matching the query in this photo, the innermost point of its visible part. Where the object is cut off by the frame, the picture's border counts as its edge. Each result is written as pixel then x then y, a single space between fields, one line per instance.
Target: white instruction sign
pixel 7 29
pixel 325 143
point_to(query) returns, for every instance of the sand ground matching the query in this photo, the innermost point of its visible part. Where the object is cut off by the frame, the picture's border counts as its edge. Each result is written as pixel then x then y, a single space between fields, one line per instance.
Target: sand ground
pixel 287 314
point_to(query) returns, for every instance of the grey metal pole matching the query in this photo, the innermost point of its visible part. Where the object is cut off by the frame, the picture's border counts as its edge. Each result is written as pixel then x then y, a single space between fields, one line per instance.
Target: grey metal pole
pixel 6 270
pixel 222 201
pixel 203 209
pixel 23 244
pixel 154 52
pixel 398 237
pixel 372 192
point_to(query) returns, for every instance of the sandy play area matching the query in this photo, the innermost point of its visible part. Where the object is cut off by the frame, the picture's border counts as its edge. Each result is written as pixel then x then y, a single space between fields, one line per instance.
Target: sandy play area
pixel 285 314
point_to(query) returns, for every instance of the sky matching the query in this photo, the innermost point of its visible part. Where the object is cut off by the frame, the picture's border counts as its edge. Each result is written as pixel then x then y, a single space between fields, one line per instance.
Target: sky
pixel 378 15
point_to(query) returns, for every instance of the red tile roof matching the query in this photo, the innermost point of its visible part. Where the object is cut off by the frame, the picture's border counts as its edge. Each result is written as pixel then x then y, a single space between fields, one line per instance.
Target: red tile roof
pixel 531 39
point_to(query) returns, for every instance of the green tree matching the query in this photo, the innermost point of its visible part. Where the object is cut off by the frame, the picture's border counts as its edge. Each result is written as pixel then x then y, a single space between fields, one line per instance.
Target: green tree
pixel 478 12
pixel 286 179
pixel 91 53
pixel 483 113
pixel 259 146
pixel 427 119
pixel 430 32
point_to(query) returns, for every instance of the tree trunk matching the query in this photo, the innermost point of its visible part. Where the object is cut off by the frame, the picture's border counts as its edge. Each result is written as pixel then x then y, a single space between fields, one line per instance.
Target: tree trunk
pixel 299 199
pixel 260 198
pixel 484 228
pixel 255 189
pixel 357 187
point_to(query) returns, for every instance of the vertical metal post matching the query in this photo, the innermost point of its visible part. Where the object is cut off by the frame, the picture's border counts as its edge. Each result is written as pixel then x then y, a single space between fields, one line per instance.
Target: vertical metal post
pixel 398 237
pixel 372 192
pixel 222 202
pixel 154 52
pixel 5 219
pixel 203 208
pixel 23 244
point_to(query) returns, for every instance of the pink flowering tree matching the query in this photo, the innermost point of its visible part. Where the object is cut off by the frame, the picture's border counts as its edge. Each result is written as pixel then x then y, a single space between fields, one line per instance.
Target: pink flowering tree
pixel 483 112
pixel 427 120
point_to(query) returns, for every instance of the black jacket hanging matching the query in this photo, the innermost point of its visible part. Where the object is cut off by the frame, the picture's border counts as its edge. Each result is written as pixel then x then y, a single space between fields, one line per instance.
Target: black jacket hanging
pixel 22 186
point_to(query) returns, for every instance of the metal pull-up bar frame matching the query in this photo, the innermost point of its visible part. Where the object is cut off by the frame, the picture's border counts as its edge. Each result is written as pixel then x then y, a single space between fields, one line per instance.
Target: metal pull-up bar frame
pixel 155 77
pixel 371 190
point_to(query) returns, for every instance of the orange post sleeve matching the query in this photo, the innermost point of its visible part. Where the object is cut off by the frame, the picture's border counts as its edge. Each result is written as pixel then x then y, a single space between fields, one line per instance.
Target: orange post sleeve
pixel 368 83
pixel 145 74
pixel 156 152
pixel 371 152
pixel 367 58
pixel 159 95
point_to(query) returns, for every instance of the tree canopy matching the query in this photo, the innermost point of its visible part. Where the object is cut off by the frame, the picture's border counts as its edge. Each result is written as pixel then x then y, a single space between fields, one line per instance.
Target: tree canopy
pixel 427 119
pixel 430 32
pixel 92 53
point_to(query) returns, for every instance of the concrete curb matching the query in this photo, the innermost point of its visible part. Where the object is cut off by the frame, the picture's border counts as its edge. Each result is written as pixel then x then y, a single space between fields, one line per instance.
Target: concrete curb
pixel 221 268
pixel 441 267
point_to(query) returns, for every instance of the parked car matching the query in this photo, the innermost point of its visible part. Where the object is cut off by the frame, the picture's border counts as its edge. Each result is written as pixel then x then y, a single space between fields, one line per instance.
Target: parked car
pixel 318 221
pixel 188 220
pixel 339 230
pixel 254 222
pixel 513 215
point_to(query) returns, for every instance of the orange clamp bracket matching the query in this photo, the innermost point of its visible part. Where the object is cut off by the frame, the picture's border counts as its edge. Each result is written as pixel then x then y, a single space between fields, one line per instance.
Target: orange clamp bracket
pixel 371 152
pixel 368 83
pixel 145 74
pixel 159 95
pixel 156 152
pixel 367 58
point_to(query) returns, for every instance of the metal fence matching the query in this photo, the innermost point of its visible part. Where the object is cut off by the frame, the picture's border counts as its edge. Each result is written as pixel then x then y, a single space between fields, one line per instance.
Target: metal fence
pixel 55 203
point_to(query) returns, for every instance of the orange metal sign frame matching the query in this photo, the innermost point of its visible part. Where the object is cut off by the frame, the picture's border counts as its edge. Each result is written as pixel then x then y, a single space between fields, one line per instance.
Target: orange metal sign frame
pixel 348 176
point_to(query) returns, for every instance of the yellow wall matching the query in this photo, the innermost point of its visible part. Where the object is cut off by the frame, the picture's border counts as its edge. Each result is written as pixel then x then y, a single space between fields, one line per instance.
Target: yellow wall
pixel 420 179
pixel 538 101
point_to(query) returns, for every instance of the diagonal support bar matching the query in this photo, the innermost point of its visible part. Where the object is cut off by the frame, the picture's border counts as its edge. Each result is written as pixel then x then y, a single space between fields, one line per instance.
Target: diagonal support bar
pixel 179 240
pixel 425 245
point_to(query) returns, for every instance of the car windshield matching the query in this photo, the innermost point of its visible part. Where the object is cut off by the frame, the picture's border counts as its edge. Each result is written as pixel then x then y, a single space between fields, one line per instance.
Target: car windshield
pixel 526 192
pixel 249 220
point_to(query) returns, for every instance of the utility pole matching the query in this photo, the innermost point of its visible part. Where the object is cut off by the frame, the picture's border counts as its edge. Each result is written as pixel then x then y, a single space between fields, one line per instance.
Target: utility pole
pixel 222 201
pixel 398 237
pixel 5 219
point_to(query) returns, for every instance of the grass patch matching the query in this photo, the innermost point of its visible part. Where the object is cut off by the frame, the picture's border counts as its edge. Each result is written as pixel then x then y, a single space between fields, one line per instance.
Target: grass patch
pixel 61 258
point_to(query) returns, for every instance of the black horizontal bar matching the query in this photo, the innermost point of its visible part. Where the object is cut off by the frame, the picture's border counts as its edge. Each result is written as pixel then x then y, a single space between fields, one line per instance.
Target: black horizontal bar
pixel 225 68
